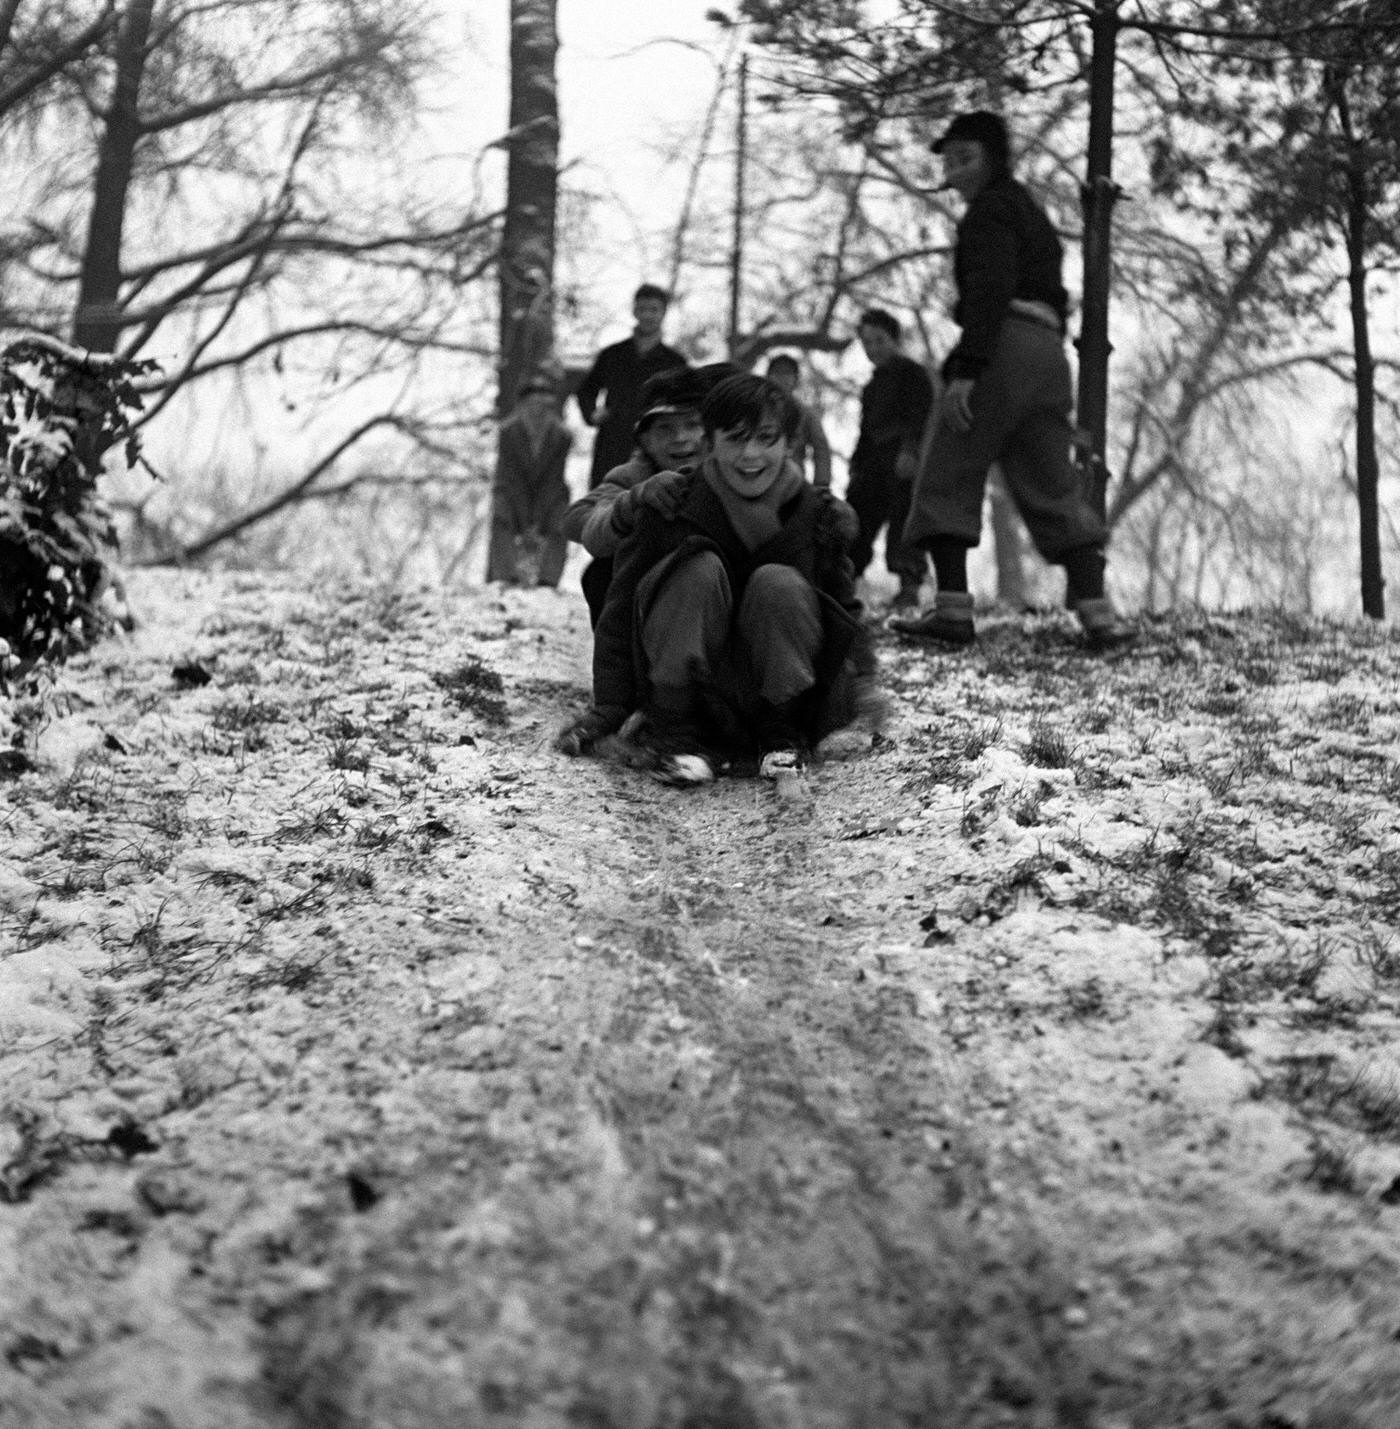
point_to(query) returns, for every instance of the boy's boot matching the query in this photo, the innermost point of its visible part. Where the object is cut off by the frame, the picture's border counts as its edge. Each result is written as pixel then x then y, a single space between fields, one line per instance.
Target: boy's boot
pixel 674 739
pixel 948 621
pixel 782 747
pixel 1104 629
pixel 907 596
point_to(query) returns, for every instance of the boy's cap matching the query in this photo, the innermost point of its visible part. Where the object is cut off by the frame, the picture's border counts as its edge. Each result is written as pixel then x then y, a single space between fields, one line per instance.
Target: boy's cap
pixel 980 126
pixel 667 393
pixel 713 373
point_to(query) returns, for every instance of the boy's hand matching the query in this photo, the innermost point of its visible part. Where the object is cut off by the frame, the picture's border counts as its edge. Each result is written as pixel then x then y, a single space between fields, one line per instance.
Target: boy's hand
pixel 957 404
pixel 844 521
pixel 580 736
pixel 663 493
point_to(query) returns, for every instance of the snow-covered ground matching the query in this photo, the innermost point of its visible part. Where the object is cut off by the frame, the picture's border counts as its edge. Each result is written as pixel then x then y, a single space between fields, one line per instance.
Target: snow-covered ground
pixel 366 1063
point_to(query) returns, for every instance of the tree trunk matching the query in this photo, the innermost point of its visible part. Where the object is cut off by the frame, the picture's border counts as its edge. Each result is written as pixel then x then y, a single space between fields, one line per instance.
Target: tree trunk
pixel 527 242
pixel 736 251
pixel 1367 460
pixel 97 319
pixel 1098 196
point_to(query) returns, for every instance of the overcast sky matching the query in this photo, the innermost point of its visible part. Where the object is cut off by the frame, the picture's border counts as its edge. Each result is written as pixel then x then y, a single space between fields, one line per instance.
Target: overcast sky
pixel 626 88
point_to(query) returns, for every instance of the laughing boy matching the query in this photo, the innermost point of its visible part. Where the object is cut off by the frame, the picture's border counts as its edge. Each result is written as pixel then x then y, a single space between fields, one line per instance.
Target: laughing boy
pixel 732 623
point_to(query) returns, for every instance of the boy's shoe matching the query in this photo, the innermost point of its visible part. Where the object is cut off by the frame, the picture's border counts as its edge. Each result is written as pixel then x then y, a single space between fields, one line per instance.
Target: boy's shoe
pixel 682 761
pixel 783 749
pixel 1103 627
pixel 777 762
pixel 684 771
pixel 948 621
pixel 780 730
pixel 907 597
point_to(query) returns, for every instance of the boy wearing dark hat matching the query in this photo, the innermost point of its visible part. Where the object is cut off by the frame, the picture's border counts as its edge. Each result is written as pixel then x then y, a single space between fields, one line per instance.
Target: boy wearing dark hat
pixel 668 438
pixel 732 624
pixel 1007 398
pixel 528 492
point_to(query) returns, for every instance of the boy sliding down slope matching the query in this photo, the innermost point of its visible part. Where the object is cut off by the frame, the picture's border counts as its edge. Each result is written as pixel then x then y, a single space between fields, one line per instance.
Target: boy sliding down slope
pixel 732 624
pixel 668 438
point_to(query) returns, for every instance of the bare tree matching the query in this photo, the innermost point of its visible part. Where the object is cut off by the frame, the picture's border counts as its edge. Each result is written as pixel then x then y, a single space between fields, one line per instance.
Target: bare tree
pixel 246 213
pixel 1362 94
pixel 40 40
pixel 184 88
pixel 532 174
pixel 97 322
pixel 888 69
pixel 1305 143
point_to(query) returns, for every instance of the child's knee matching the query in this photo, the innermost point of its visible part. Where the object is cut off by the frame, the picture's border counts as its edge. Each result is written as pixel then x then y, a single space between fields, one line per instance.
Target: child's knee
pixel 782 584
pixel 780 604
pixel 702 573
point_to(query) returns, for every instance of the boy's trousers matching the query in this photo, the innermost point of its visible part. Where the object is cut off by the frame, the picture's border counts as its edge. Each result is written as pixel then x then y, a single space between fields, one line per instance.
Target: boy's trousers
pixel 878 495
pixel 1021 408
pixel 766 648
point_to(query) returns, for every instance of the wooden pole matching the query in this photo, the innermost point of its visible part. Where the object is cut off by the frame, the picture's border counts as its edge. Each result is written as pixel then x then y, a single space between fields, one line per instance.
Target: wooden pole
pixel 736 254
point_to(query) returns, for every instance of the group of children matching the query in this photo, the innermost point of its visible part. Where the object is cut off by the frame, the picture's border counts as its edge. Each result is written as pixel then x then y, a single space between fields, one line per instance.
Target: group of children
pixel 726 622
pixel 722 589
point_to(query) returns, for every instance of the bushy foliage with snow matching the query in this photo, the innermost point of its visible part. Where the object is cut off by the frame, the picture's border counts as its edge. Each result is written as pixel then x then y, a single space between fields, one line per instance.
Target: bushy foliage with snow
pixel 62 409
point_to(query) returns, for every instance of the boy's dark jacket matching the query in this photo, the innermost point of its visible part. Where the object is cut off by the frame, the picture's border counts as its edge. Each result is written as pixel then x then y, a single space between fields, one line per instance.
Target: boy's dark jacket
pixel 1006 249
pixel 813 539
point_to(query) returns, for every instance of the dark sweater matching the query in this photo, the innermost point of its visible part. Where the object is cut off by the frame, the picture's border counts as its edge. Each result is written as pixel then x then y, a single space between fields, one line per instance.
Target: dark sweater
pixel 1006 248
pixel 894 406
pixel 619 371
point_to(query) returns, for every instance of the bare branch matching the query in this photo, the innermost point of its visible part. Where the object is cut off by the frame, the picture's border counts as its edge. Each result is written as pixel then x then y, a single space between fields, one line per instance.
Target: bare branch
pixel 396 335
pixel 295 85
pixel 318 240
pixel 18 90
pixel 290 495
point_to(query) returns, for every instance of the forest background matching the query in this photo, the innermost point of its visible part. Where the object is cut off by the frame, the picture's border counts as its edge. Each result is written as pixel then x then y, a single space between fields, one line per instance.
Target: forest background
pixel 297 208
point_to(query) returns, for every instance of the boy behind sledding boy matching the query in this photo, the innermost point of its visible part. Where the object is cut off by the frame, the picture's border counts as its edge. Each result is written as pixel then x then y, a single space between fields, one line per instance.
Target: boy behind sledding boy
pixel 732 625
pixel 668 438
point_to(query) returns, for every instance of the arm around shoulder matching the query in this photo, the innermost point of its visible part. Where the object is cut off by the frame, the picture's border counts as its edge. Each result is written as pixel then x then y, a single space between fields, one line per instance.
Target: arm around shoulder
pixel 838 524
pixel 601 519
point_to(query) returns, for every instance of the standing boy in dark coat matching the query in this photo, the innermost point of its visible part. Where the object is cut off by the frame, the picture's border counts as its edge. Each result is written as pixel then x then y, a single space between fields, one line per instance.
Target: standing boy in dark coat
pixel 1007 399
pixel 732 625
pixel 894 408
pixel 618 373
pixel 529 494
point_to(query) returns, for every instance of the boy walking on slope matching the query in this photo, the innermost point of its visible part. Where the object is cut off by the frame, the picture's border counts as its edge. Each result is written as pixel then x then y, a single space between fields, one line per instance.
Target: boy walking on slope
pixel 1007 400
pixel 733 625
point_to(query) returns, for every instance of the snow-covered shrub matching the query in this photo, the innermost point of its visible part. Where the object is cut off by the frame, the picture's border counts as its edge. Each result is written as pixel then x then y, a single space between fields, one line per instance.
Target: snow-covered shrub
pixel 61 410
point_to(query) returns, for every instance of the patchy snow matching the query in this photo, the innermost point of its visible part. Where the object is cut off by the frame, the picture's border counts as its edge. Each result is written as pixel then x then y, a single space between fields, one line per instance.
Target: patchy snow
pixel 360 1051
